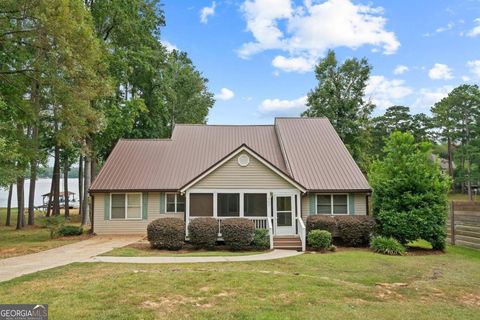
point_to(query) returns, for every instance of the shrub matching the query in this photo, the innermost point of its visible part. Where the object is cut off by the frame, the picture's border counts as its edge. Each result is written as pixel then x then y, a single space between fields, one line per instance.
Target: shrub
pixel 203 232
pixel 321 222
pixel 409 201
pixel 261 239
pixel 68 230
pixel 355 230
pixel 319 239
pixel 237 232
pixel 166 233
pixel 386 245
pixel 54 223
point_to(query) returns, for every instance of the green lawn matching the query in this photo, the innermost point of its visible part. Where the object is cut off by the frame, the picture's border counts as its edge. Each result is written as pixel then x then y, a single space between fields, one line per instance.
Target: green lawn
pixel 352 284
pixel 31 239
pixel 130 251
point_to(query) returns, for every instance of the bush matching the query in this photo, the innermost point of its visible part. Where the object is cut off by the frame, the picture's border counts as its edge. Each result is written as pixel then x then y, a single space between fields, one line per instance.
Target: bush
pixel 386 245
pixel 203 232
pixel 54 223
pixel 409 201
pixel 355 230
pixel 237 232
pixel 321 222
pixel 319 239
pixel 166 233
pixel 261 239
pixel 67 231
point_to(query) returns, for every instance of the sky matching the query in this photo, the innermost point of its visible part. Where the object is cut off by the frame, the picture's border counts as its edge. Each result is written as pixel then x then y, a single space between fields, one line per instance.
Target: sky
pixel 259 55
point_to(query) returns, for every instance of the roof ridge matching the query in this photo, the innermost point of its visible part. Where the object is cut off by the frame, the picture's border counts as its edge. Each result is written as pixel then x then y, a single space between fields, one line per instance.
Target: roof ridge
pixel 224 125
pixel 145 139
pixel 306 118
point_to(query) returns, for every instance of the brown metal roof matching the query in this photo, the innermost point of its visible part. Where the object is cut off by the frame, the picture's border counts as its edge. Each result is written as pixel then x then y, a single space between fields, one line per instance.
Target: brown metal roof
pixel 170 164
pixel 308 150
pixel 316 156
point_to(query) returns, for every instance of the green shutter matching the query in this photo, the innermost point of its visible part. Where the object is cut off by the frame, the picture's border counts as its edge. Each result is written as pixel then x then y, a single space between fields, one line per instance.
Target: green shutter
pixel 351 203
pixel 162 202
pixel 106 209
pixel 145 206
pixel 311 202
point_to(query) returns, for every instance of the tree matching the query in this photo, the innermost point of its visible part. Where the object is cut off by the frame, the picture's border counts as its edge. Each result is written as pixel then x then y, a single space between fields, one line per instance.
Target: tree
pixel 409 192
pixel 339 96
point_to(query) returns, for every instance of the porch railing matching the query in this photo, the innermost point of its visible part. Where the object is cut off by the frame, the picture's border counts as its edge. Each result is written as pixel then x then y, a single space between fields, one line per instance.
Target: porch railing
pixel 302 232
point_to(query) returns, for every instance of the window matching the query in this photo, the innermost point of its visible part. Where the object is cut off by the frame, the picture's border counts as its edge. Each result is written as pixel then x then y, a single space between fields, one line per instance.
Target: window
pixel 332 204
pixel 228 204
pixel 201 204
pixel 126 206
pixel 255 204
pixel 175 203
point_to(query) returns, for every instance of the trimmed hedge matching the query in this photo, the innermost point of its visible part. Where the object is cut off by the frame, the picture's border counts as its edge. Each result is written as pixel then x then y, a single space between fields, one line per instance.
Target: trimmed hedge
pixel 319 239
pixel 352 230
pixel 203 232
pixel 237 232
pixel 355 230
pixel 388 246
pixel 68 230
pixel 261 239
pixel 166 233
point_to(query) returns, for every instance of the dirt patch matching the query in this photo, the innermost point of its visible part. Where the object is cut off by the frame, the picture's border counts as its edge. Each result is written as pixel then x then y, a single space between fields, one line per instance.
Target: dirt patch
pixel 470 299
pixel 415 251
pixel 166 305
pixel 387 290
pixel 187 248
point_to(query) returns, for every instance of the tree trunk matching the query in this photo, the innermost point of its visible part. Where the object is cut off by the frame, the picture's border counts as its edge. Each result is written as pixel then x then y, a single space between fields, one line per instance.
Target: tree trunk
pixel 49 203
pixel 65 187
pixel 93 170
pixel 31 193
pixel 9 205
pixel 20 203
pixel 56 178
pixel 80 184
pixel 86 186
pixel 450 158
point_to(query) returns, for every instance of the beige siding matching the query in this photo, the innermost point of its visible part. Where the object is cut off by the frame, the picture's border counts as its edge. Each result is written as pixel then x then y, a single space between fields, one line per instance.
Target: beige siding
pixel 305 207
pixel 360 204
pixel 232 175
pixel 102 226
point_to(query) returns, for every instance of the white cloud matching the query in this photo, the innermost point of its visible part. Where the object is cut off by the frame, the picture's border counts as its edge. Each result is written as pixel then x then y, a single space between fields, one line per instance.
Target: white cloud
pixel 298 64
pixel 306 31
pixel 400 69
pixel 428 97
pixel 385 93
pixel 474 66
pixel 440 72
pixel 476 30
pixel 206 12
pixel 225 94
pixel 169 46
pixel 465 78
pixel 449 26
pixel 283 106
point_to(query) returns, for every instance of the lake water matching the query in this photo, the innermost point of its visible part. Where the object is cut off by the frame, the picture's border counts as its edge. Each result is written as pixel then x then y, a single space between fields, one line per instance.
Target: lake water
pixel 42 187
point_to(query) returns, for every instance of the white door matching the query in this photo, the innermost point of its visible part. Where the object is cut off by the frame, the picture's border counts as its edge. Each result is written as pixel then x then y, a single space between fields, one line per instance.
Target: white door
pixel 284 214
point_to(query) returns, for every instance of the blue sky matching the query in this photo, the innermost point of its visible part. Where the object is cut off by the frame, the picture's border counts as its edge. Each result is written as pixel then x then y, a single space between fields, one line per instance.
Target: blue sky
pixel 259 54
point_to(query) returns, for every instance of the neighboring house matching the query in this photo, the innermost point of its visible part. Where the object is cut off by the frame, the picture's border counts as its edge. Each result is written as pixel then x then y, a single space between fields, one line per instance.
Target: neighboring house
pixel 275 175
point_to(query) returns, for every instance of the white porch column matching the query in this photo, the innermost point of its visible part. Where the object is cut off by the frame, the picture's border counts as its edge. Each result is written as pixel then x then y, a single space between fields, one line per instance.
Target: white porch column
pixel 241 208
pixel 187 211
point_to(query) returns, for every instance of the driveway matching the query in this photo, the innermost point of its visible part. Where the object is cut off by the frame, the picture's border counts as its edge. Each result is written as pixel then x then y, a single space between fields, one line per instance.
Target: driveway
pixel 76 252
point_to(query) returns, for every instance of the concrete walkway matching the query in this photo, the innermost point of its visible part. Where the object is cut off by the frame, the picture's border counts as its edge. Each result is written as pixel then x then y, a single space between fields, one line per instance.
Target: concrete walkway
pixel 76 252
pixel 275 254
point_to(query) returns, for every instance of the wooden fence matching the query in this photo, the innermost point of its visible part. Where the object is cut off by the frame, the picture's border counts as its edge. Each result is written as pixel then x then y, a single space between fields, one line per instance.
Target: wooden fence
pixel 463 225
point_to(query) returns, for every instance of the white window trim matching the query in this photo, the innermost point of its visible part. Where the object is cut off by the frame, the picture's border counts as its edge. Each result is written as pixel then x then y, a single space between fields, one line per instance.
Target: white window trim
pixel 126 206
pixel 331 204
pixel 176 202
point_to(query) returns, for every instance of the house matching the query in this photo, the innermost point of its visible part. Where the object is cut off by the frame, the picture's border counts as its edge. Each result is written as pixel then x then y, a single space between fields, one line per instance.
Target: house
pixel 275 175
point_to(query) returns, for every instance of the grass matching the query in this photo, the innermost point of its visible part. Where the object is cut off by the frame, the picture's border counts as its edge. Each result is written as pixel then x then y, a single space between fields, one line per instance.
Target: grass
pixel 130 251
pixel 31 239
pixel 351 284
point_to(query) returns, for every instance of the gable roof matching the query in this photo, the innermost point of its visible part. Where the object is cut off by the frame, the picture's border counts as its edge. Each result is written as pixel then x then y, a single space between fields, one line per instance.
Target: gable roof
pixel 232 154
pixel 307 150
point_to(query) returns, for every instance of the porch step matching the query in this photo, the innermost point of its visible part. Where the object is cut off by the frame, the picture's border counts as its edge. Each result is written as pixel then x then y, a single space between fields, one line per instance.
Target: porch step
pixel 287 242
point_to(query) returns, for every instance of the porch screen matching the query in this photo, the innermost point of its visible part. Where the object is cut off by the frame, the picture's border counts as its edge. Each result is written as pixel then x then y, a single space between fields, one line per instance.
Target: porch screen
pixel 201 204
pixel 228 204
pixel 255 204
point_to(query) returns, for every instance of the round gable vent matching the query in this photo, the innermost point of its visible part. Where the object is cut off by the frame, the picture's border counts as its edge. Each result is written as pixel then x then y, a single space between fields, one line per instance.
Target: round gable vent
pixel 243 160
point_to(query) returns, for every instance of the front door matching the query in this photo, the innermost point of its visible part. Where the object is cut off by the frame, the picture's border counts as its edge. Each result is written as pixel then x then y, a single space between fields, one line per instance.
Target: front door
pixel 284 214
